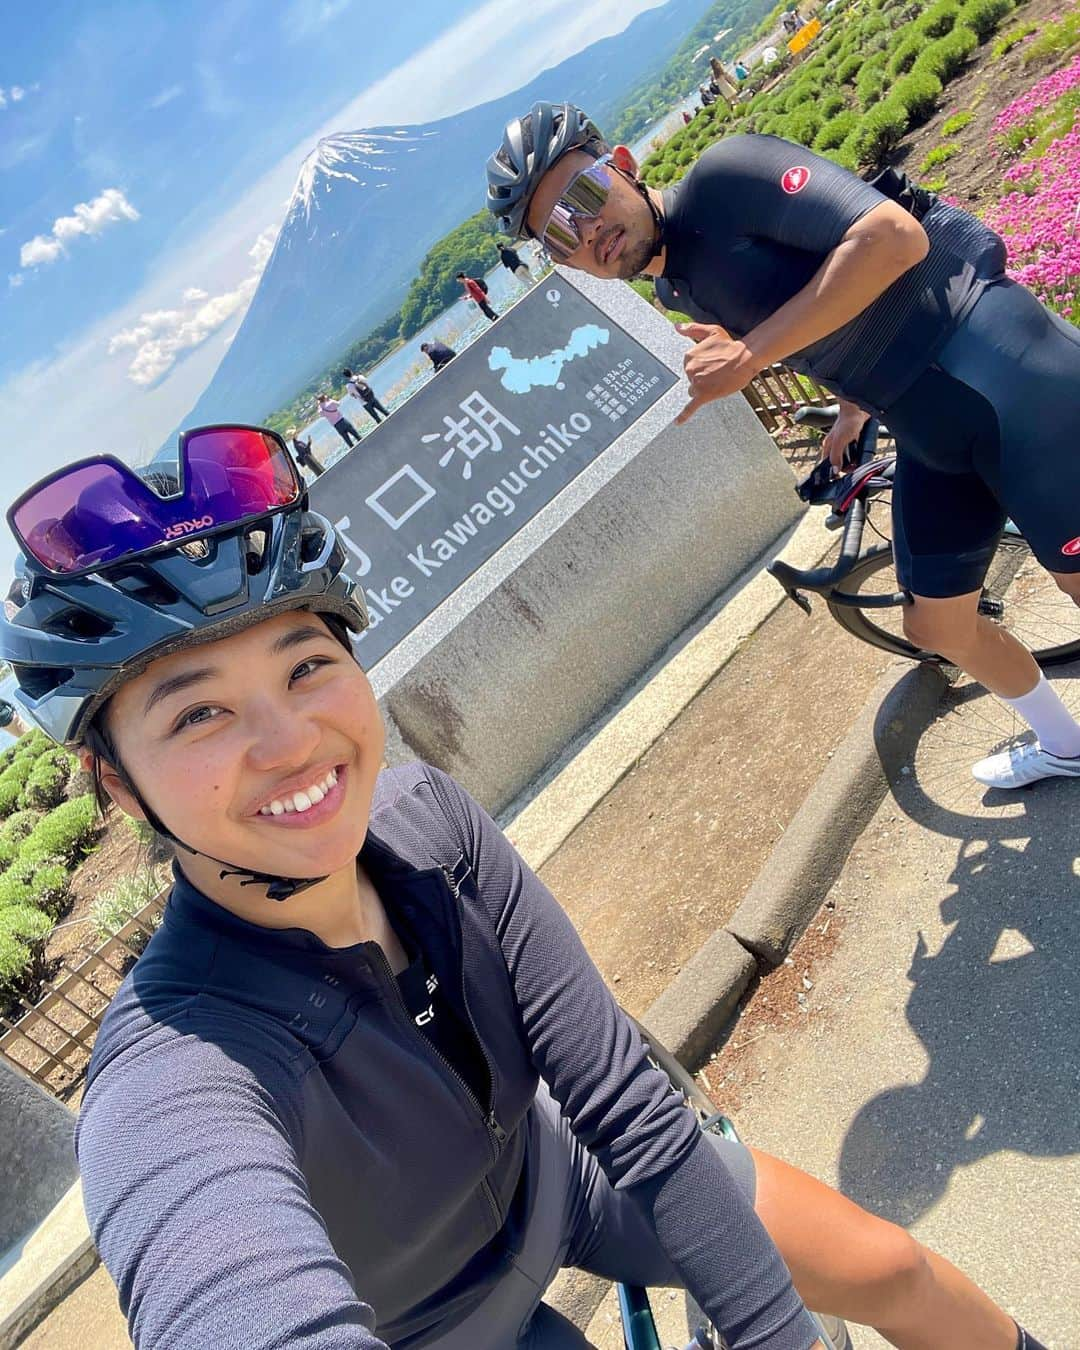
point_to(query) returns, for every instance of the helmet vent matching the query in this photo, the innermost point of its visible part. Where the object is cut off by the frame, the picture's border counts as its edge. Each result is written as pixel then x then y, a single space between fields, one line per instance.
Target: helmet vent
pixel 146 586
pixel 38 682
pixel 255 550
pixel 77 623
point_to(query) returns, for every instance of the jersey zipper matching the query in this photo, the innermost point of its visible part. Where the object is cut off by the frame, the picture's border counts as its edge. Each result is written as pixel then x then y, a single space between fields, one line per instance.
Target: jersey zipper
pixel 494 1137
pixel 498 1133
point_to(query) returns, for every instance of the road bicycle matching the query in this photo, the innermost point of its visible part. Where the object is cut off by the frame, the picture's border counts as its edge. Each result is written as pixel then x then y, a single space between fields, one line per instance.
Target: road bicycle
pixel 638 1323
pixel 860 588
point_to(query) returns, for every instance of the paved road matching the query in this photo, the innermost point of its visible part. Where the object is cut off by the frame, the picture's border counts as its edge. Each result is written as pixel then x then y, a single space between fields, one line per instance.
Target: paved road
pixel 935 1075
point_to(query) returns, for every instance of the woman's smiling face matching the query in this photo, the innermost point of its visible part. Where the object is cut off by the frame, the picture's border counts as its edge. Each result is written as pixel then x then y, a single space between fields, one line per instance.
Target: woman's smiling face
pixel 260 749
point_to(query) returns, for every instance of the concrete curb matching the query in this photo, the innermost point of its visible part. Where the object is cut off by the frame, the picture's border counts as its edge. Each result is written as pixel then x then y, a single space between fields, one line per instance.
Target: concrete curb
pixel 51 1261
pixel 597 762
pixel 691 1012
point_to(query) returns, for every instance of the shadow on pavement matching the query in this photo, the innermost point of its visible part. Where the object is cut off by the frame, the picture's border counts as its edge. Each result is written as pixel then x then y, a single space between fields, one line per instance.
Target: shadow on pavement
pixel 995 1008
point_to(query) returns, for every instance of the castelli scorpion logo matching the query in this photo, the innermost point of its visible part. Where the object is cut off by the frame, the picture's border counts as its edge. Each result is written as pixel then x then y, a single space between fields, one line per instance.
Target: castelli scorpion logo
pixel 183 527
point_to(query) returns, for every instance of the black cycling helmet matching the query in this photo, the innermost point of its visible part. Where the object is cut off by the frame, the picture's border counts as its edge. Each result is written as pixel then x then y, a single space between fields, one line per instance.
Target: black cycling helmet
pixel 530 146
pixel 72 642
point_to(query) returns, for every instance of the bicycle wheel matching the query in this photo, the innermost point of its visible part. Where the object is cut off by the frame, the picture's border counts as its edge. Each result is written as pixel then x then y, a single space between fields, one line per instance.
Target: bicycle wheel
pixel 835 1332
pixel 1018 594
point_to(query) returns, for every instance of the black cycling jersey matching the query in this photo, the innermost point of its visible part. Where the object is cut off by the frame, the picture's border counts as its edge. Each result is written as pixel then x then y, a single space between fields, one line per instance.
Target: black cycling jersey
pixel 752 222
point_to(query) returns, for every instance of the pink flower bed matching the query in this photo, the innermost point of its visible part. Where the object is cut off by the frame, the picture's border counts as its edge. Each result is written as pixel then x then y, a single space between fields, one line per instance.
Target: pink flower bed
pixel 1040 223
pixel 1047 91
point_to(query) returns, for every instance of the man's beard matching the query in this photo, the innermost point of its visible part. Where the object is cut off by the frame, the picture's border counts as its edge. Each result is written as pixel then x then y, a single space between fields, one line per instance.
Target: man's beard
pixel 635 258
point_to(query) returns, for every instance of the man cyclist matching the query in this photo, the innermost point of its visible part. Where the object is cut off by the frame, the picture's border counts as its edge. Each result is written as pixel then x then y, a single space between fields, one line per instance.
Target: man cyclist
pixel 895 300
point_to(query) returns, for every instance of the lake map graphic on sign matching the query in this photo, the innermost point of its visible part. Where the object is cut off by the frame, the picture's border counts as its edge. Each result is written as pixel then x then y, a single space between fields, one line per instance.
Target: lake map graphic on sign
pixel 522 373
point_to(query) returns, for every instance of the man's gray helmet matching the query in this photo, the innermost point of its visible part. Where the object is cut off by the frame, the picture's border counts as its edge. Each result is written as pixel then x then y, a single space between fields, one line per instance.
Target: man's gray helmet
pixel 72 642
pixel 530 146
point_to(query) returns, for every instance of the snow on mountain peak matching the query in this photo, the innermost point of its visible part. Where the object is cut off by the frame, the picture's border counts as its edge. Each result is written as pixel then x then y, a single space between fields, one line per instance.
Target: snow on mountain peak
pixel 364 158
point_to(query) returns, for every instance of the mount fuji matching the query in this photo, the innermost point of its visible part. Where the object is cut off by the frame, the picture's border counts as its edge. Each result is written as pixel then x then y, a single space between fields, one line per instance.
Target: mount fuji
pixel 369 204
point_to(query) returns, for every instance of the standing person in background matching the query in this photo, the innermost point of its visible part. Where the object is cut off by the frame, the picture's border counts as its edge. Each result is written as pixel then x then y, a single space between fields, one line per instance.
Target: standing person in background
pixel 360 389
pixel 10 721
pixel 438 353
pixel 515 263
pixel 741 72
pixel 302 452
pixel 475 289
pixel 337 419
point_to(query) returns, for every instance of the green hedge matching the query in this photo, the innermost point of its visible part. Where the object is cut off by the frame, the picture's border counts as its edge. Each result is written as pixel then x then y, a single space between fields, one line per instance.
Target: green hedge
pixel 48 779
pixel 23 930
pixel 905 53
pixel 984 17
pixel 45 885
pixel 64 834
pixel 804 124
pixel 948 55
pixel 918 93
pixel 938 19
pixel 880 130
pixel 12 782
pixel 831 104
pixel 849 68
pixel 836 131
pixel 870 85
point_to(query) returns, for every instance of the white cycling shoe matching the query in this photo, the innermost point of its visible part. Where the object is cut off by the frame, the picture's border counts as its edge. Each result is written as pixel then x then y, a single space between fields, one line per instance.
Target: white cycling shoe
pixel 1021 765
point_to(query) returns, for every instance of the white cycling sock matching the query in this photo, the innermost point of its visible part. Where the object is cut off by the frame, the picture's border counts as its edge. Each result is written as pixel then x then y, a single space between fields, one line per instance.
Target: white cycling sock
pixel 1058 731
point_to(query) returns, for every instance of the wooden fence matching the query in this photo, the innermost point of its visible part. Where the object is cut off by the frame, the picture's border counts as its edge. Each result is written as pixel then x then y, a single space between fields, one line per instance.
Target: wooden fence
pixel 778 391
pixel 52 1040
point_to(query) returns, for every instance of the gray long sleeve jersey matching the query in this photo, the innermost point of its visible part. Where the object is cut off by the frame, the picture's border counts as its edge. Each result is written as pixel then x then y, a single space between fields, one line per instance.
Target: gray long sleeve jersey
pixel 273 1155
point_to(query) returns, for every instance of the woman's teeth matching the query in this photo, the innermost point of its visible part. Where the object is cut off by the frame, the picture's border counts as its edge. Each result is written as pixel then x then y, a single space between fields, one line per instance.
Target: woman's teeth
pixel 300 801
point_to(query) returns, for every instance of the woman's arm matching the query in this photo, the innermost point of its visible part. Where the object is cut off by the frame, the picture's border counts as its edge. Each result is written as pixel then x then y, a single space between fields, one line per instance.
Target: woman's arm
pixel 200 1210
pixel 622 1108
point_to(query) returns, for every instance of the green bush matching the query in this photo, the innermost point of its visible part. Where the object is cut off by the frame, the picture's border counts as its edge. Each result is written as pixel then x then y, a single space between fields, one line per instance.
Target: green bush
pixel 947 56
pixel 1056 39
pixel 836 131
pixel 12 782
pixel 849 68
pixel 64 834
pixel 905 53
pixel 984 17
pixel 844 154
pixel 804 123
pixel 938 19
pixel 870 85
pixel 939 155
pixel 879 132
pixel 1009 40
pixel 34 743
pixel 23 930
pixel 831 104
pixel 919 93
pixel 957 122
pixel 48 779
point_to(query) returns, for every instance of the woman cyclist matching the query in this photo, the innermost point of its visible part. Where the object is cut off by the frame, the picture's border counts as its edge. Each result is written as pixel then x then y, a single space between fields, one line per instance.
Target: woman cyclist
pixel 365 1088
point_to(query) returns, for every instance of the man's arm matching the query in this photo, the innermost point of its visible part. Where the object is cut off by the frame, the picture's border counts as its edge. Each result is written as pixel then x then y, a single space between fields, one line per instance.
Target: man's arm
pixel 880 247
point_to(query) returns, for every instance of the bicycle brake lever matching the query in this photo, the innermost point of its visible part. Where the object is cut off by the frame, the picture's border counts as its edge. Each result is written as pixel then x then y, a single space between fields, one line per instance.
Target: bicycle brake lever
pixel 803 601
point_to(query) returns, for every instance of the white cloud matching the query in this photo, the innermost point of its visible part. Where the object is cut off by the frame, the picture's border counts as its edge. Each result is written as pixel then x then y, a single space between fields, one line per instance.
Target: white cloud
pixel 15 279
pixel 3 99
pixel 18 93
pixel 107 208
pixel 165 96
pixel 303 18
pixel 161 336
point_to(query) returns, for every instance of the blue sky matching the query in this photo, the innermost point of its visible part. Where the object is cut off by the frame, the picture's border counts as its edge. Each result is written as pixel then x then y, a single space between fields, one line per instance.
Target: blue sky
pixel 147 154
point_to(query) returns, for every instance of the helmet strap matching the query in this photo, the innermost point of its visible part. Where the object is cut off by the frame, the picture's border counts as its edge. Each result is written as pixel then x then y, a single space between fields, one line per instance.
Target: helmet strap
pixel 277 888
